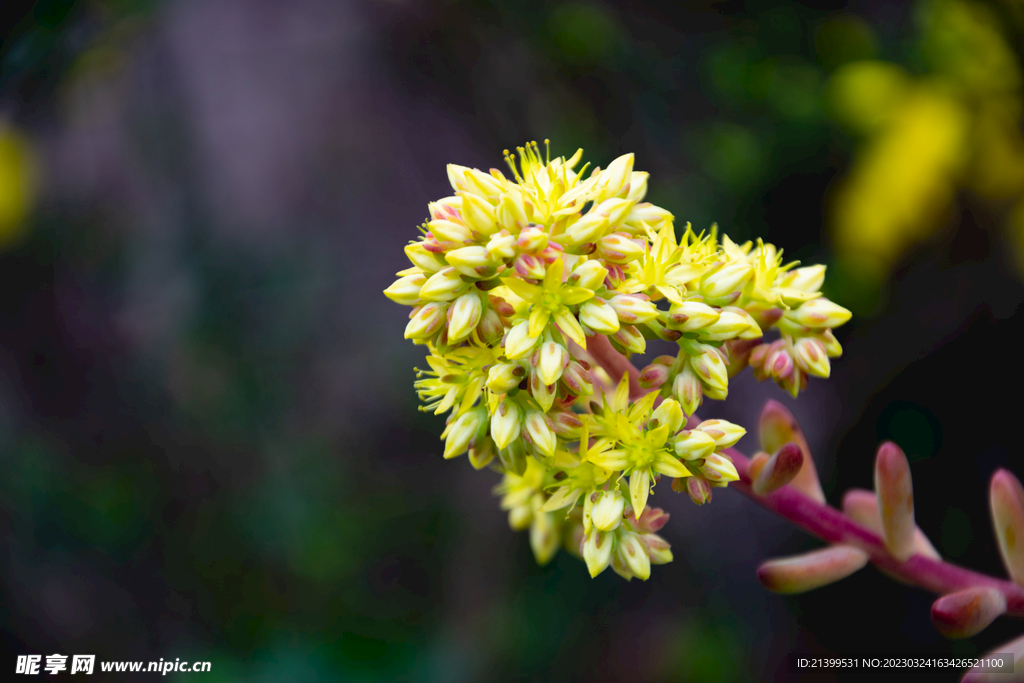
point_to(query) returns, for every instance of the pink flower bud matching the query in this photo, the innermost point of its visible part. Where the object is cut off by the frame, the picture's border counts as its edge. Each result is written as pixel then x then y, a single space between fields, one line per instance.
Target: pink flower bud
pixel 698 488
pixel 530 267
pixel 653 376
pixel 566 424
pixel 776 428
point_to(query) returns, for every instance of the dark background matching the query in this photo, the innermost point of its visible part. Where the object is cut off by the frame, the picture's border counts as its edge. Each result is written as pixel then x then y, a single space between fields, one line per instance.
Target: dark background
pixel 209 439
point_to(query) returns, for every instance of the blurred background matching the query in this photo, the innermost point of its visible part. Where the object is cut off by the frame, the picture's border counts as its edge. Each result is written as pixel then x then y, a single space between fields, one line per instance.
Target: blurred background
pixel 209 440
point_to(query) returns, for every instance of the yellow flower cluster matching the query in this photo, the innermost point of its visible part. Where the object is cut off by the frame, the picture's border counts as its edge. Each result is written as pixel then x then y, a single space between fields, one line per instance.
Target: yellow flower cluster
pixel 513 276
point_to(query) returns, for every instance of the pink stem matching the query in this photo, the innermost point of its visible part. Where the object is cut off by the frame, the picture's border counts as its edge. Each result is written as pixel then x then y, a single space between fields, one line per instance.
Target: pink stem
pixel 828 523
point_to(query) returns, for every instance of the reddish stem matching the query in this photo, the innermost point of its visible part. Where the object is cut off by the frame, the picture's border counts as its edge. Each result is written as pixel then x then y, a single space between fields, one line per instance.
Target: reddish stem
pixel 828 523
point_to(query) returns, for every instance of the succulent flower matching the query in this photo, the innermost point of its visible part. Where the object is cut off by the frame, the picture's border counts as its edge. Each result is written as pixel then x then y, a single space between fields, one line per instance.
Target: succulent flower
pixel 519 284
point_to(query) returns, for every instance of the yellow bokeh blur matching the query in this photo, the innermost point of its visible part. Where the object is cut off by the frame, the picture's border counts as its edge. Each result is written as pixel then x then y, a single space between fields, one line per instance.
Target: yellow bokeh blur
pixel 17 184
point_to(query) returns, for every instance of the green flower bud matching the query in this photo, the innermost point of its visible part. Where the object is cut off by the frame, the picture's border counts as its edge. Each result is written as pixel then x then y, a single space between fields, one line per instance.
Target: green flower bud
pixel 551 361
pixel 501 247
pixel 726 280
pixel 482 452
pixel 632 309
pixel 728 326
pixel 598 315
pixel 505 423
pixel 632 552
pixel 589 275
pixel 586 230
pixel 479 214
pixel 718 468
pixel 406 290
pixel 818 313
pixel 447 231
pixel 504 377
pixel 693 444
pixel 427 261
pixel 464 315
pixel 687 388
pixel 541 433
pixel 710 368
pixel 597 551
pixel 724 433
pixel 630 338
pixel 491 328
pixel 691 316
pixel 426 321
pixel 463 431
pixel 518 342
pixel 668 413
pixel 544 538
pixel 658 548
pixel 472 261
pixel 606 513
pixel 444 285
pixel 810 354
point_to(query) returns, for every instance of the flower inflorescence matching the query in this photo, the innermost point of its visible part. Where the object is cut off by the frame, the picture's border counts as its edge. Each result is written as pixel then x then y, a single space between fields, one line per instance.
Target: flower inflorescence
pixel 512 277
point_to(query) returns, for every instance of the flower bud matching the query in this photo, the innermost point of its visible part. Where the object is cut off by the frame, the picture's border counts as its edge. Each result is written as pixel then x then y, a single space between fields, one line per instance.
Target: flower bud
pixel 637 186
pixel 895 500
pixel 668 413
pixel 811 356
pixel 426 261
pixel 632 309
pixel 630 338
pixel 808 279
pixel 586 230
pixel 653 376
pixel 520 517
pixel 504 308
pixel 543 394
pixel 490 328
pixel 687 389
pixel 811 570
pixel 503 377
pixel 691 316
pixel 446 209
pixel 512 213
pixel 463 315
pixel 447 231
pixel 632 552
pixel 654 216
pixel 1006 501
pixel 616 276
pixel 597 551
pixel 726 280
pixel 699 489
pixel 457 177
pixel 544 538
pixel 711 370
pixel 406 290
pixel 518 342
pixel 501 247
pixel 598 315
pixel 717 468
pixel 472 261
pixel 967 612
pixel 616 248
pixel 616 175
pixel 589 275
pixel 832 346
pixel 652 520
pixel 729 325
pixel 693 444
pixel 444 285
pixel 513 458
pixel 551 361
pixel 479 183
pixel 818 313
pixel 505 423
pixel 577 379
pixel 724 433
pixel 532 240
pixel 426 321
pixel 463 431
pixel 540 433
pixel 530 267
pixel 658 549
pixel 482 453
pixel 566 424
pixel 479 214
pixel 606 513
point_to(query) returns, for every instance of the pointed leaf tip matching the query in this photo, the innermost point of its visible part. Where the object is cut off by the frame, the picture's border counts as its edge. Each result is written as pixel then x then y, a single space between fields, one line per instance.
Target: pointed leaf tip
pixel 779 470
pixel 895 500
pixel 812 570
pixel 1006 501
pixel 967 612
